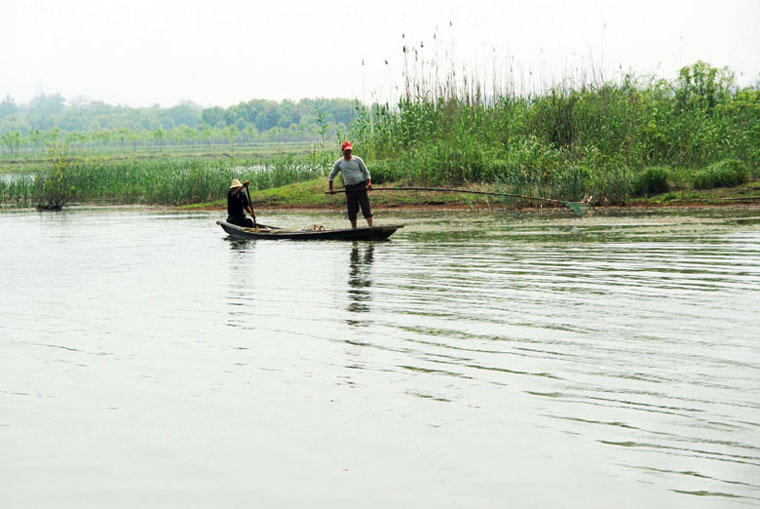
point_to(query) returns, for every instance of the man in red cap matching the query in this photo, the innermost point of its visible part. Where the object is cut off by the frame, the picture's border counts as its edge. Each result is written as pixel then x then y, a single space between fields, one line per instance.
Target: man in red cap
pixel 357 182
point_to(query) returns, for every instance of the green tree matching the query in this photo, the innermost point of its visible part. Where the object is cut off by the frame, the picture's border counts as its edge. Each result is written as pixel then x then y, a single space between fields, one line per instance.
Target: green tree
pixel 11 140
pixel 213 117
pixel 34 137
pixel 56 187
pixel 159 135
pixel 251 132
pixel 47 105
pixel 206 134
pixel 185 114
pixel 231 133
pixel 703 86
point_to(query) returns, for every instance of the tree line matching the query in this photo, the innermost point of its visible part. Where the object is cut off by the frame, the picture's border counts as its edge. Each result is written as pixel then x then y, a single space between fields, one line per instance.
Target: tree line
pixel 51 119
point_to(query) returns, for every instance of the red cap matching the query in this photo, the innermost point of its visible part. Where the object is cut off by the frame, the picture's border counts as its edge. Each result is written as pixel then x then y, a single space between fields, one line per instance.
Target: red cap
pixel 346 146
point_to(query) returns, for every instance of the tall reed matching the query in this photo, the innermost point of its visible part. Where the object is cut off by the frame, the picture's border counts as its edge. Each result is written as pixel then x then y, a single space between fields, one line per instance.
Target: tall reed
pixel 164 181
pixel 573 138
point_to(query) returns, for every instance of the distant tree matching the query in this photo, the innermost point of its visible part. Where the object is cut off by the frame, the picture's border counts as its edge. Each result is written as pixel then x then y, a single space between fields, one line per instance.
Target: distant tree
pixel 15 122
pixel 268 117
pixel 11 140
pixel 288 114
pixel 206 134
pixel 251 132
pixel 148 120
pixel 34 138
pixel 184 114
pixel 123 136
pixel 253 118
pixel 213 117
pixel 102 137
pixel 231 133
pixel 51 137
pixel 8 107
pixel 159 135
pixel 75 139
pixel 186 134
pixel 47 105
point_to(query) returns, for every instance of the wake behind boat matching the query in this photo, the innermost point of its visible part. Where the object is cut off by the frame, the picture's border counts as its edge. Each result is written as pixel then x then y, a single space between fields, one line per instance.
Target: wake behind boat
pixel 273 232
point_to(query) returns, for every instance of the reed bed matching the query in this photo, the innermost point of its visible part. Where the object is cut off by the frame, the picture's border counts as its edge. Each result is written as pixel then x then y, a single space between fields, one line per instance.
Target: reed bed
pixel 159 181
pixel 597 138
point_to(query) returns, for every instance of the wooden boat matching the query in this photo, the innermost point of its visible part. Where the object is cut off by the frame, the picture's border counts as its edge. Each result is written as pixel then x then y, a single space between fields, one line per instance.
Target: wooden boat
pixel 273 232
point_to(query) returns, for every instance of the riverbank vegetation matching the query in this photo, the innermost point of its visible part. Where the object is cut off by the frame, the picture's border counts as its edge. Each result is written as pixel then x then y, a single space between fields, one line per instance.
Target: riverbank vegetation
pixel 153 181
pixel 610 142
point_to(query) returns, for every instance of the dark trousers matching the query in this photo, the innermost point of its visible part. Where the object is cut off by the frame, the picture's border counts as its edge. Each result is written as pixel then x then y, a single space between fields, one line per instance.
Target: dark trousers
pixel 245 222
pixel 356 196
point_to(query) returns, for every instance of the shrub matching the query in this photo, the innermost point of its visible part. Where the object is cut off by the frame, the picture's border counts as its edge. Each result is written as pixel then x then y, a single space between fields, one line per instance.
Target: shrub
pixel 652 181
pixel 611 186
pixel 56 186
pixel 725 173
pixel 385 171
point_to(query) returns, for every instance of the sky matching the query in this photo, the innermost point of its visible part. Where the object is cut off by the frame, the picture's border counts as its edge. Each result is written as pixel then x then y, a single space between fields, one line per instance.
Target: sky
pixel 222 52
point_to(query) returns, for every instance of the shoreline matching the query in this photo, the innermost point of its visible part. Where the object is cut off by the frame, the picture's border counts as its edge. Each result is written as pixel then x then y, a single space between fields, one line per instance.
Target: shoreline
pixel 419 207
pixel 311 196
pixel 749 203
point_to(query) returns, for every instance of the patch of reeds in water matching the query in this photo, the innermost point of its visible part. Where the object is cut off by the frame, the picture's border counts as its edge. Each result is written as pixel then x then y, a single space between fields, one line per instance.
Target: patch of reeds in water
pixel 161 181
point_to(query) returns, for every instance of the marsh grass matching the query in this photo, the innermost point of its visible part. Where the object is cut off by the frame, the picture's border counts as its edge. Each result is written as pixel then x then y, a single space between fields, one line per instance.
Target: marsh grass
pixel 609 139
pixel 17 190
pixel 161 181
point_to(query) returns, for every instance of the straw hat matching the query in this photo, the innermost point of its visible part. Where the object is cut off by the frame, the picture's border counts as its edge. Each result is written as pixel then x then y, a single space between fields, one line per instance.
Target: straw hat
pixel 235 184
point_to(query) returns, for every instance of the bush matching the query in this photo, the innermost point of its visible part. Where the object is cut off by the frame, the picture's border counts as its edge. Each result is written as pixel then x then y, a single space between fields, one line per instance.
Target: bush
pixel 385 171
pixel 725 173
pixel 56 187
pixel 653 181
pixel 572 182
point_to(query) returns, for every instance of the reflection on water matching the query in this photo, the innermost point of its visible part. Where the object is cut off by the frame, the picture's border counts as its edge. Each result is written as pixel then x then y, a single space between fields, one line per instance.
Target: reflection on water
pixel 242 307
pixel 359 280
pixel 470 360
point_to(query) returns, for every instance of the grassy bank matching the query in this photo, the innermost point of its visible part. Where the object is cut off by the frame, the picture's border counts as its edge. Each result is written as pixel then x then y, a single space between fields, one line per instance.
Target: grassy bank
pixel 300 181
pixel 311 195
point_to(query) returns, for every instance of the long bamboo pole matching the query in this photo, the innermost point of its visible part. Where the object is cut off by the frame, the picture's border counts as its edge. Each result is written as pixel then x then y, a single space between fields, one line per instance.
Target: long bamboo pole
pixel 446 190
pixel 577 207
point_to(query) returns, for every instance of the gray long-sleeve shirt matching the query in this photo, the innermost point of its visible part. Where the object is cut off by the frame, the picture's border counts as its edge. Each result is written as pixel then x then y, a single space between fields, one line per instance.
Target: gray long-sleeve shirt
pixel 354 171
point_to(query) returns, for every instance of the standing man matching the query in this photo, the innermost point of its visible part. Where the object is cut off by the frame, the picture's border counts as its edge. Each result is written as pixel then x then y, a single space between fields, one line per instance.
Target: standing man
pixel 238 204
pixel 357 182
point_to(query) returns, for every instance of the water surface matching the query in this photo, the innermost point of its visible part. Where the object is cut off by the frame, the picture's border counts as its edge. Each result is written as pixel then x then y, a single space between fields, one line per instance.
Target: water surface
pixel 475 360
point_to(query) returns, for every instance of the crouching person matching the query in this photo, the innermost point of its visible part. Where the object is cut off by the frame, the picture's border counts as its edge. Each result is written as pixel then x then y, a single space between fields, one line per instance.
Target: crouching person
pixel 238 205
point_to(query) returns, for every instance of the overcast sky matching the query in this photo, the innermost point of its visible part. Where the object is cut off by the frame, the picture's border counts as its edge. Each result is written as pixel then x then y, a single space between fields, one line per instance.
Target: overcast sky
pixel 221 52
